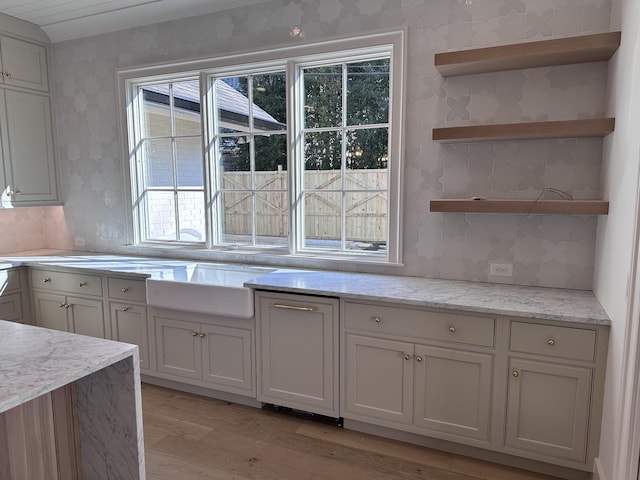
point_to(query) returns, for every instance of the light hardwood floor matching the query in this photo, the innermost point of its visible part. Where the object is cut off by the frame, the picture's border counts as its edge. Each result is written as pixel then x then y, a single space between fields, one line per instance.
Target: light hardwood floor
pixel 188 437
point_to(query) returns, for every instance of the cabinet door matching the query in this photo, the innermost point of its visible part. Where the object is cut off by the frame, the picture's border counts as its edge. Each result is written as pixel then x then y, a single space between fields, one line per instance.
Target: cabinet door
pixel 379 379
pixel 227 359
pixel 28 148
pixel 548 408
pixel 24 64
pixel 298 345
pixel 87 317
pixel 129 325
pixel 178 348
pixel 51 311
pixel 452 391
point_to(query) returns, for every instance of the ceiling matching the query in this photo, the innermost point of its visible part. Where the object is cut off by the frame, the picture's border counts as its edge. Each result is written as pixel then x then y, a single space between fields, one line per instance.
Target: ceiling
pixel 69 19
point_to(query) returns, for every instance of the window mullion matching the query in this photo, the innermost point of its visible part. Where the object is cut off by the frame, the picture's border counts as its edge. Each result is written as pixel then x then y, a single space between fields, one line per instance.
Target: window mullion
pixel 252 162
pixel 343 162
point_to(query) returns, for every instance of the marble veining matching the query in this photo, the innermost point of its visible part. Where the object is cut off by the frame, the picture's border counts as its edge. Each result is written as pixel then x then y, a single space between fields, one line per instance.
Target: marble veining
pixel 509 300
pixel 35 361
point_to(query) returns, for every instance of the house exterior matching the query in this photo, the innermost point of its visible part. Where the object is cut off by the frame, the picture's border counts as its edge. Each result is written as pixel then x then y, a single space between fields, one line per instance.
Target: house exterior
pixel 598 253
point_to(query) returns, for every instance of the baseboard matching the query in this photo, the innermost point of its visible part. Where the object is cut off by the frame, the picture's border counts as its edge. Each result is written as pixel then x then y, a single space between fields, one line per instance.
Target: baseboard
pixel 598 473
pixel 205 392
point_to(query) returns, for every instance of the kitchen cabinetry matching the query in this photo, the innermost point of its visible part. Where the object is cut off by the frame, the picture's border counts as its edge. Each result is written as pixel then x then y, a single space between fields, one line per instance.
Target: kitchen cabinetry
pixel 522 387
pixel 297 352
pixel 14 304
pixel 412 369
pixel 28 174
pixel 549 392
pixel 207 351
pixel 70 302
pixel 128 316
pixel 581 49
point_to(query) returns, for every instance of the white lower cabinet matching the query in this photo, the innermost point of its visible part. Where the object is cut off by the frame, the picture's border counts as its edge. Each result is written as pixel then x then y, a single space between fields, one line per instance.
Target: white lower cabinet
pixel 129 325
pixel 548 408
pixel 84 316
pixel 436 390
pixel 210 351
pixel 452 392
pixel 298 352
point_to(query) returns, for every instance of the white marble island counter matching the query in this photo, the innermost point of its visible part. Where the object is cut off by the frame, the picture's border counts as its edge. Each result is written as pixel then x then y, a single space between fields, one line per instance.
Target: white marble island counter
pixel 35 363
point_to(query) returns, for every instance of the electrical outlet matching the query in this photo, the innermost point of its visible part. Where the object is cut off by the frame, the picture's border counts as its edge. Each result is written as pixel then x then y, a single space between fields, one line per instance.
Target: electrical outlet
pixel 79 241
pixel 501 270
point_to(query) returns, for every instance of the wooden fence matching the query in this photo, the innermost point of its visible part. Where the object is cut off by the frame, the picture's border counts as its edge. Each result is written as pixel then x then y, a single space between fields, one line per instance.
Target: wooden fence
pixel 365 207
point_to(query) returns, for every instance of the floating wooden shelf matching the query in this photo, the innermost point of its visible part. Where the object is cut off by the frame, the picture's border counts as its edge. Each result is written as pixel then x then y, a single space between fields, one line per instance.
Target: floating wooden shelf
pixel 552 207
pixel 582 49
pixel 594 127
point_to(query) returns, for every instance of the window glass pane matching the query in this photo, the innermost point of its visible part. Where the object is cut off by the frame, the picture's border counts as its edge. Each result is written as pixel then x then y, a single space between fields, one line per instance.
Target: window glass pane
pixel 322 96
pixel 271 162
pixel 270 101
pixel 186 103
pixel 161 216
pixel 322 220
pixel 368 92
pixel 158 162
pixel 191 213
pixel 232 105
pixel 367 148
pixel 272 218
pixel 234 163
pixel 189 162
pixel 156 111
pixel 366 221
pixel 237 217
pixel 322 152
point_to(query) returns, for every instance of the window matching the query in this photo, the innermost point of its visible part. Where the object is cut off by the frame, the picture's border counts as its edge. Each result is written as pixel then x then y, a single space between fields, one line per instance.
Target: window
pixel 288 152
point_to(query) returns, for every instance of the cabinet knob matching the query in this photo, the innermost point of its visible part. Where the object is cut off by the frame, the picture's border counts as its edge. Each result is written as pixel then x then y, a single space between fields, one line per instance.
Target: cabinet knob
pixel 194 334
pixel 62 305
pixel 551 342
pixel 82 284
pixel 46 280
pixel 7 74
pixel 515 373
pixel 202 335
pixel 418 358
pixel 124 290
pixel 452 329
pixel 125 309
pixel 377 319
pixel 12 193
pixel 407 356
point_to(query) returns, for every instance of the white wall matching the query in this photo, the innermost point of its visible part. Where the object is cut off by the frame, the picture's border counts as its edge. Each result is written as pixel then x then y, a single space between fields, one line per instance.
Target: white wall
pixel 545 250
pixel 614 251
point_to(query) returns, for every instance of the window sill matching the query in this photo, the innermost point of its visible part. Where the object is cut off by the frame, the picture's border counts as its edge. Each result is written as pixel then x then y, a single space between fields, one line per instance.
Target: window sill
pixel 268 258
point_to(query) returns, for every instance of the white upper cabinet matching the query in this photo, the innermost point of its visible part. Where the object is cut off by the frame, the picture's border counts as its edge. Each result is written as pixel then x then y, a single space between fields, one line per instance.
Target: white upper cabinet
pixel 24 64
pixel 27 148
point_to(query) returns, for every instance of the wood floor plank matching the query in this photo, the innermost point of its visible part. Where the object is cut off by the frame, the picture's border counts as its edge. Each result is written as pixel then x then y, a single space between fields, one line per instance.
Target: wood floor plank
pixel 188 437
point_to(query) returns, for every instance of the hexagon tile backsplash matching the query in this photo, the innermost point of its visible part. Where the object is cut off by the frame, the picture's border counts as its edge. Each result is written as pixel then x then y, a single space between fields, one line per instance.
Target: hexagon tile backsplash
pixel 544 250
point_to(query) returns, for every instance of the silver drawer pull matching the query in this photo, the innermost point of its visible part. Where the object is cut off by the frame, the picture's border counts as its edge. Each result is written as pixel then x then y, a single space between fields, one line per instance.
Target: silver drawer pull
pixel 294 307
pixel 551 342
pixel 377 319
pixel 82 284
pixel 452 329
pixel 125 309
pixel 124 290
pixel 46 280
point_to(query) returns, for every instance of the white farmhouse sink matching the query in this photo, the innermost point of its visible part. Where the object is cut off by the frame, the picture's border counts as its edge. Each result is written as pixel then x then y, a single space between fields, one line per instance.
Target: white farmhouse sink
pixel 207 288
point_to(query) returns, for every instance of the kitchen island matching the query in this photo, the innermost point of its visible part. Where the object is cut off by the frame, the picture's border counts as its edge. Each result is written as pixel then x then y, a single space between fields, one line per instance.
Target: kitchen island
pixel 70 406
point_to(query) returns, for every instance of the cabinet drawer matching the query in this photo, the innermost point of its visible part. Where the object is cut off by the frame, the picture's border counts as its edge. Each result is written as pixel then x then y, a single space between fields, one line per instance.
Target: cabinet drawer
pixel 565 342
pixel 450 327
pixel 10 279
pixel 78 283
pixel 127 289
pixel 11 306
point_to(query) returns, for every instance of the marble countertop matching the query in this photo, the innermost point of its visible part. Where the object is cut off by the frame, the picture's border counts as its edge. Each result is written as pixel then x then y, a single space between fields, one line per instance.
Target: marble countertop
pixel 509 300
pixel 35 361
pixel 498 299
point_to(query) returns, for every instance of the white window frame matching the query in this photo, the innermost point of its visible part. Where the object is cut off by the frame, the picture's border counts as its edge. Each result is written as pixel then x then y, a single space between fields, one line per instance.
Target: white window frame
pixel 290 58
